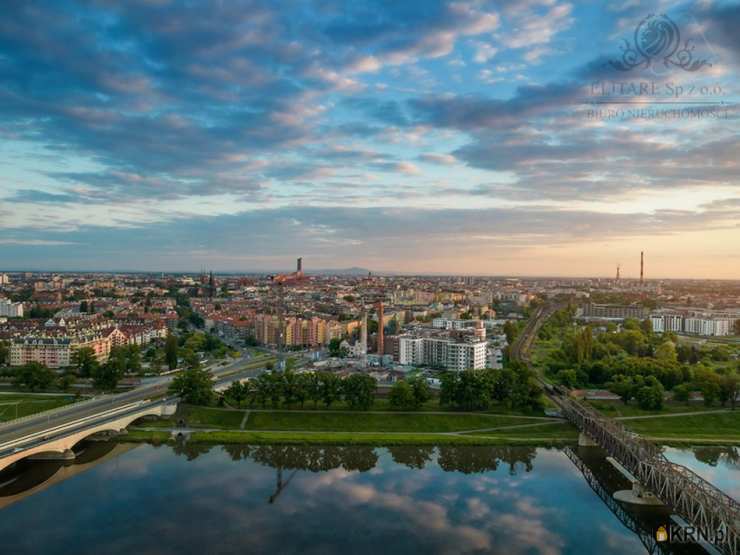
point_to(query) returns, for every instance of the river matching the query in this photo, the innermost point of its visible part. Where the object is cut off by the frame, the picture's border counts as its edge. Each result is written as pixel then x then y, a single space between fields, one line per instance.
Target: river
pixel 193 499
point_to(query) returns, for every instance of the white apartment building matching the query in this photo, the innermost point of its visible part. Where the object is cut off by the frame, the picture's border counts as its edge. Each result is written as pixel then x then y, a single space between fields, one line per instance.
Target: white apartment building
pixel 441 352
pixel 694 325
pixel 4 279
pixel 494 358
pixel 462 356
pixel 410 350
pixel 10 309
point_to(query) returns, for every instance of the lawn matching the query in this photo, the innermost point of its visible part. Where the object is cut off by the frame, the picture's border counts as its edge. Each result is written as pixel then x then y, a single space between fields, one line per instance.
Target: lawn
pixel 212 417
pixel 17 406
pixel 555 431
pixel 347 438
pixel 722 426
pixel 616 409
pixel 377 422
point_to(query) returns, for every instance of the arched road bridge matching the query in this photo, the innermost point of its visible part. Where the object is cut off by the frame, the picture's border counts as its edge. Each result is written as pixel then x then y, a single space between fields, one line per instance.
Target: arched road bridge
pixel 55 432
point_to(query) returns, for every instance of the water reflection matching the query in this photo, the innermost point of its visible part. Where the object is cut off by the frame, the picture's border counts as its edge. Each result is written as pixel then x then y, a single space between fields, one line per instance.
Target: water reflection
pixel 192 498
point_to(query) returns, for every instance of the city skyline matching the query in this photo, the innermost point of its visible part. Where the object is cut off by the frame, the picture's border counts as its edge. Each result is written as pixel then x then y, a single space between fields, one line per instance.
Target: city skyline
pixel 435 137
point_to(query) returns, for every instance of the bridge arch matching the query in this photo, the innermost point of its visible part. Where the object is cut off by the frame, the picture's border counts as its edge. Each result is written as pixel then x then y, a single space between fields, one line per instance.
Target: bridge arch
pixel 62 444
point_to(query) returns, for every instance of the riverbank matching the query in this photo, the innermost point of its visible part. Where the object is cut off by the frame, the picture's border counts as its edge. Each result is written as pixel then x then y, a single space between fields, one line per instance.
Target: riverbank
pixel 222 425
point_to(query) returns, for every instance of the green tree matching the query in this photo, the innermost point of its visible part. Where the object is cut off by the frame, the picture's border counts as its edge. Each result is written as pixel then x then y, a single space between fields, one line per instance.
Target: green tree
pixel 622 386
pixel 666 352
pixel 34 376
pixel 359 391
pixel 401 396
pixel 238 392
pixel 422 393
pixel 568 377
pixel 302 389
pixel 106 376
pixel 84 361
pixel 650 395
pixel 710 390
pixel 511 330
pixel 66 380
pixel 729 388
pixel 682 393
pixel 314 387
pixel 194 386
pixel 4 352
pixel 170 351
pixel 331 388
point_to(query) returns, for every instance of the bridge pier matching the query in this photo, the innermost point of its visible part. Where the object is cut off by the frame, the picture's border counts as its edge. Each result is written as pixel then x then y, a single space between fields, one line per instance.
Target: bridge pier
pixel 638 495
pixel 585 441
pixel 66 455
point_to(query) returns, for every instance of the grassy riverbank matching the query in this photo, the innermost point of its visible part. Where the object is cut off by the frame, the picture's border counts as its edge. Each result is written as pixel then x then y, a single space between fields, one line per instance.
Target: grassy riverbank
pixel 217 425
pixel 18 405
pixel 701 428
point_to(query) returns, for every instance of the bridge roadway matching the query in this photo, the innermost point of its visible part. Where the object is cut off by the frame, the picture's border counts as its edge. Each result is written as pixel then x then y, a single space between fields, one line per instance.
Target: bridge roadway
pixel 31 432
pixel 690 496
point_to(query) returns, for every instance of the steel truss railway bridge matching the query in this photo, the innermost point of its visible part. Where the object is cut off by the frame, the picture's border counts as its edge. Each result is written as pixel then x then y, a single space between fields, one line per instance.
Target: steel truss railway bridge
pixel 697 501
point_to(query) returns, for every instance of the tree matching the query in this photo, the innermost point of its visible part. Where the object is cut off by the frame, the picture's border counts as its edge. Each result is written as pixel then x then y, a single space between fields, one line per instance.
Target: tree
pixel 422 392
pixel 510 330
pixel 568 377
pixel 682 393
pixel 66 380
pixel 622 386
pixel 238 392
pixel 83 307
pixel 650 396
pixel 107 376
pixel 84 361
pixel 314 387
pixel 170 351
pixel 4 352
pixel 666 352
pixel 302 388
pixel 34 376
pixel 194 386
pixel 359 391
pixel 331 388
pixel 729 386
pixel 710 390
pixel 401 396
pixel 336 349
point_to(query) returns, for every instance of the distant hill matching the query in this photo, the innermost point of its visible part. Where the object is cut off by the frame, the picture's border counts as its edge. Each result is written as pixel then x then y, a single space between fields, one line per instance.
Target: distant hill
pixel 354 271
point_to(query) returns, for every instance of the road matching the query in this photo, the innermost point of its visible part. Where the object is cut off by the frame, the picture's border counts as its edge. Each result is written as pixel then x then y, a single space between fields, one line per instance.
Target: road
pixel 153 389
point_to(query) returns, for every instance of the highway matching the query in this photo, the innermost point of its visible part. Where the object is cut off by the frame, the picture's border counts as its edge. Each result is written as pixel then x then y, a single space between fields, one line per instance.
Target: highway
pixel 157 388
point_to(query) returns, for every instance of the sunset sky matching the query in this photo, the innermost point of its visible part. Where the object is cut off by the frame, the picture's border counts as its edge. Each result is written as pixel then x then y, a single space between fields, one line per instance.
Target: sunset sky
pixel 399 136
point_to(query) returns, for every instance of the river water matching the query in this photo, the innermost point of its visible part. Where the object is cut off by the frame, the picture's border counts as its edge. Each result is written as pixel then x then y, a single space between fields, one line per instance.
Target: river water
pixel 193 499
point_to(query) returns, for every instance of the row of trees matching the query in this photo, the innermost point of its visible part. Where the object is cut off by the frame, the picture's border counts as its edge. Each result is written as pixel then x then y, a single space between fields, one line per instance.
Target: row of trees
pixel 513 386
pixel 409 394
pixel 290 389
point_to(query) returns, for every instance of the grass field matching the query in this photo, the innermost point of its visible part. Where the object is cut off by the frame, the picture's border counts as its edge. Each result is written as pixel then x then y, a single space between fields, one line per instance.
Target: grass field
pixel 616 409
pixel 347 438
pixel 19 405
pixel 377 422
pixel 723 426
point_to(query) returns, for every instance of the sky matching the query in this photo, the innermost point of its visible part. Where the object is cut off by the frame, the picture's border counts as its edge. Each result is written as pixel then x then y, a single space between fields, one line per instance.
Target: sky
pixel 510 137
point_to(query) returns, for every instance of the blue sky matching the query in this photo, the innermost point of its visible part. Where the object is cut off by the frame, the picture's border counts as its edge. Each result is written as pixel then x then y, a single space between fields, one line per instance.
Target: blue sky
pixel 428 136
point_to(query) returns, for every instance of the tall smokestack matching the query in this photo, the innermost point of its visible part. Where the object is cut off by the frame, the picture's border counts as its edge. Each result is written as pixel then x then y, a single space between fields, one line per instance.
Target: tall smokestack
pixel 363 335
pixel 299 265
pixel 380 328
pixel 642 267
